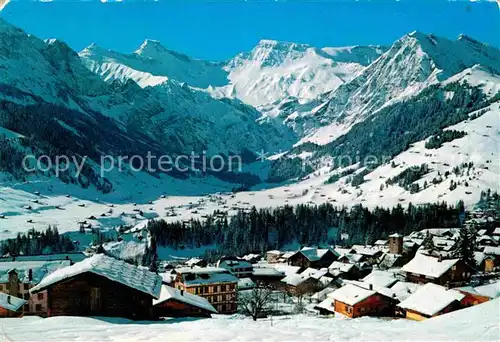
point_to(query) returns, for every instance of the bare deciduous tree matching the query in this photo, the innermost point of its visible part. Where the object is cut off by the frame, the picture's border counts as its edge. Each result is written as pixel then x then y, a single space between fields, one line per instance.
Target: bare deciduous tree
pixel 256 302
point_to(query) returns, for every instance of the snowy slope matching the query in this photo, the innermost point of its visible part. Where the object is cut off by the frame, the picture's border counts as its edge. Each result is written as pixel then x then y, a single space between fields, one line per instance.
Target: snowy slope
pixel 481 146
pixel 412 63
pixel 475 323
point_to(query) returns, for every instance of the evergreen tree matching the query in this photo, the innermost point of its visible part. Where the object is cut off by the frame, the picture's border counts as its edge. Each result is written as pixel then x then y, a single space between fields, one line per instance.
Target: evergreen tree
pixel 464 247
pixel 428 243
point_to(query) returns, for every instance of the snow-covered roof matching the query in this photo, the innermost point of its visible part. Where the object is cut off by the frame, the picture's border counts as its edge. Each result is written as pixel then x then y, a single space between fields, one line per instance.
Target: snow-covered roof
pixel 245 283
pixel 381 242
pixel 314 273
pixel 403 289
pixel 395 235
pixel 380 279
pixel 193 261
pixel 431 299
pixel 287 255
pixel 342 267
pixel 296 279
pixel 353 258
pixel 74 257
pixel 323 293
pixel 170 293
pixel 366 250
pixel 313 253
pixel 267 271
pixel 233 263
pixel 251 256
pixel 481 232
pixel 351 294
pixel 287 269
pixel 11 303
pixel 490 250
pixel 388 260
pixel 113 269
pixel 205 275
pixel 326 304
pixel 429 266
pixel 39 269
pixel 496 231
pixel 342 251
pixel 489 290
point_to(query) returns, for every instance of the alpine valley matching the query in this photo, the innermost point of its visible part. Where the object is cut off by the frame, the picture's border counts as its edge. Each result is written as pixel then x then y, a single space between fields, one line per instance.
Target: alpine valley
pixel 415 122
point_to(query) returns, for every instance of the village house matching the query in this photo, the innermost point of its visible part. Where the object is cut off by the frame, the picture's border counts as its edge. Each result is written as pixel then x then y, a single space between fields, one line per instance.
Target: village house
pixel 371 254
pixel 472 296
pixel 492 258
pixel 429 301
pixel 344 270
pixel 196 262
pixel 237 267
pixel 269 276
pixel 179 303
pixel 355 301
pixel 251 258
pixel 300 284
pixel 273 257
pixel 427 269
pixel 18 277
pixel 313 257
pixel 101 286
pixel 11 306
pixel 381 244
pixel 215 284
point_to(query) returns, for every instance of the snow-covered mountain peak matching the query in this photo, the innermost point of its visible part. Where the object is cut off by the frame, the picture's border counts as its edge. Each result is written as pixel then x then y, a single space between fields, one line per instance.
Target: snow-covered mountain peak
pixel 151 48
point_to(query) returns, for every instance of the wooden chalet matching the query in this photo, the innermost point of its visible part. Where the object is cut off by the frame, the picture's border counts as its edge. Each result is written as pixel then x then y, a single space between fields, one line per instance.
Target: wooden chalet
pixel 431 300
pixel 269 276
pixel 215 284
pixel 472 296
pixel 313 257
pixel 428 269
pixel 179 303
pixel 101 286
pixel 300 284
pixel 11 306
pixel 356 301
pixel 344 270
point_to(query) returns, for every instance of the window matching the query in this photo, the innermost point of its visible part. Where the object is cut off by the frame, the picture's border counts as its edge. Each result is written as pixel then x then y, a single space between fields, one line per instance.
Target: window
pixel 349 309
pixel 223 288
pixel 26 296
pixel 219 298
pixel 39 296
pixel 38 307
pixel 26 308
pixel 1 288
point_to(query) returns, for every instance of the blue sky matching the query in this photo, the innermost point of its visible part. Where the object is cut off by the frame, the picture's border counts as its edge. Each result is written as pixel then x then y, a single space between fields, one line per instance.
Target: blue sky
pixel 218 30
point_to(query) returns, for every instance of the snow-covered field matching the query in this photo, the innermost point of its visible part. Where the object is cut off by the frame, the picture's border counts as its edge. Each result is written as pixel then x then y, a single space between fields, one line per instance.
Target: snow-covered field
pixel 478 323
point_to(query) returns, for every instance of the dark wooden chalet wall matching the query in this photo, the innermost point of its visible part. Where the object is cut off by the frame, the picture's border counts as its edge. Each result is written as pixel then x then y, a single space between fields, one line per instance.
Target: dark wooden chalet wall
pixel 89 294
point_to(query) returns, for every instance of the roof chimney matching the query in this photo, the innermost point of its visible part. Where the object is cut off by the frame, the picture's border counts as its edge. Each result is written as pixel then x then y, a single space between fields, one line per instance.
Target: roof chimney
pixel 30 275
pixel 440 258
pixel 182 292
pixel 370 286
pixel 8 300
